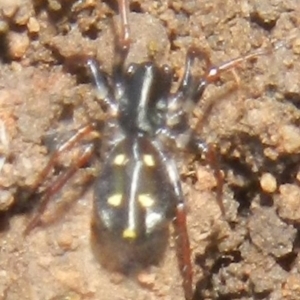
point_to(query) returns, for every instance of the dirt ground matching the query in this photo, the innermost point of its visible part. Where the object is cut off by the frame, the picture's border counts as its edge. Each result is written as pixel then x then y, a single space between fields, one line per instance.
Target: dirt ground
pixel 251 114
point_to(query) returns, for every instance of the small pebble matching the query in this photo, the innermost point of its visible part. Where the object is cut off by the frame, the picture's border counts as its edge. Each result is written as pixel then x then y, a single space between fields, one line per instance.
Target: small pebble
pixel 116 278
pixel 18 44
pixel 68 296
pixel 268 183
pixel 65 241
pixel 6 200
pixel 147 279
pixel 296 46
pixel 288 202
pixel 33 25
pixel 3 27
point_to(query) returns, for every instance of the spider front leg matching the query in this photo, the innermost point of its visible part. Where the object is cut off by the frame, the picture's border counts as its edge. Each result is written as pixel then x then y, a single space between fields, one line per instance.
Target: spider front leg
pixel 191 88
pixel 104 91
pixel 56 186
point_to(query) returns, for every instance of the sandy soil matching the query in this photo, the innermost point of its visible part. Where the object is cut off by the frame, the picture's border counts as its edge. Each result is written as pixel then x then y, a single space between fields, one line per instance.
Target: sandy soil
pixel 252 252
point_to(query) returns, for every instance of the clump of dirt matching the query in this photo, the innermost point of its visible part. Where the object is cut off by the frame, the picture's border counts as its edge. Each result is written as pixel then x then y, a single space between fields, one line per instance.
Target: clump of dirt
pixel 251 114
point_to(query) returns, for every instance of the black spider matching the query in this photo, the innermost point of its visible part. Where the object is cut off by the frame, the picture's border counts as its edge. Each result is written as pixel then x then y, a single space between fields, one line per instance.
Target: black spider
pixel 138 192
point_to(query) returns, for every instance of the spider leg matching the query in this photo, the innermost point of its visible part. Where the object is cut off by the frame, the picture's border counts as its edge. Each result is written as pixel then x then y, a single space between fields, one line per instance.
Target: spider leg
pixel 57 185
pixel 81 133
pixel 188 140
pixel 124 41
pixel 182 103
pixel 103 89
pixel 67 145
pixel 99 77
pixel 191 88
pixel 211 157
pixel 183 249
pixel 122 45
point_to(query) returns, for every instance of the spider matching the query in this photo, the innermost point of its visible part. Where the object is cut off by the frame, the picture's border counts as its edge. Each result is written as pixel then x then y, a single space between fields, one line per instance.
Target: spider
pixel 138 193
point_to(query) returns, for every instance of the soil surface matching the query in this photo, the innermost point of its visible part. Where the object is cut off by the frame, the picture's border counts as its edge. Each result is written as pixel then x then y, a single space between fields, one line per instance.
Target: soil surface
pixel 251 114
